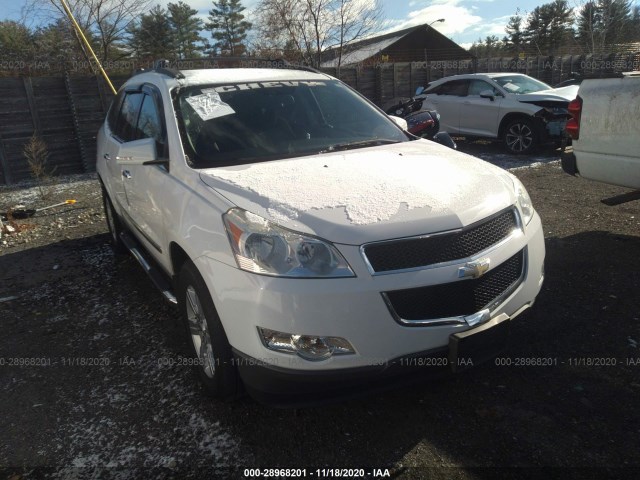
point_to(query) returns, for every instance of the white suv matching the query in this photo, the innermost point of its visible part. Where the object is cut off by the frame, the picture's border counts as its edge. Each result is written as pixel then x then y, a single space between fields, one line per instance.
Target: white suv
pixel 313 247
pixel 517 109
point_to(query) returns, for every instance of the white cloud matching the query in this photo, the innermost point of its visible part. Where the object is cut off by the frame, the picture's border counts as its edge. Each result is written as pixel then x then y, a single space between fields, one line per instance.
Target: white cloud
pixel 457 18
pixel 495 26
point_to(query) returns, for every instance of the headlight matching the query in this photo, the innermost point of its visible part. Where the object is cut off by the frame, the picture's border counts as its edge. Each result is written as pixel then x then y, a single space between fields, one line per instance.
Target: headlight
pixel 524 201
pixel 263 247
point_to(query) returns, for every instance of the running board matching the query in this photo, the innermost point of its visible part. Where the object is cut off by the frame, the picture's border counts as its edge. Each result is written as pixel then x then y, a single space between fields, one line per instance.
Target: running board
pixel 156 276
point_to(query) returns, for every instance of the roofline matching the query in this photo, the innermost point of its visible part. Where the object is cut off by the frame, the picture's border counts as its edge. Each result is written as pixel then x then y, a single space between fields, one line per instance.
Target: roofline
pixel 377 38
pixel 163 67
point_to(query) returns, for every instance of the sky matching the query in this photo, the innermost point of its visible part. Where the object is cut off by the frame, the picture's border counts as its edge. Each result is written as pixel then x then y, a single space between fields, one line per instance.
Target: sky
pixel 464 20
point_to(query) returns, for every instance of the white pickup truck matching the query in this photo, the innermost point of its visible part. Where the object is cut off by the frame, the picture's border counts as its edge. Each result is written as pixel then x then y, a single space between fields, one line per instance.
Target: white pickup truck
pixel 606 131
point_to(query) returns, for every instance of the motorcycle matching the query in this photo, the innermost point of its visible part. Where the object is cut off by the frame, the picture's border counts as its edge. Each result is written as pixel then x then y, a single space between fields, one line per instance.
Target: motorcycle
pixel 421 123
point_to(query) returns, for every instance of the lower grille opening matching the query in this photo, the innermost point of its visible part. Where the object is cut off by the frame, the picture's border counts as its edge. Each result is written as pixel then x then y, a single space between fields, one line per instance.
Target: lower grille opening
pixel 461 298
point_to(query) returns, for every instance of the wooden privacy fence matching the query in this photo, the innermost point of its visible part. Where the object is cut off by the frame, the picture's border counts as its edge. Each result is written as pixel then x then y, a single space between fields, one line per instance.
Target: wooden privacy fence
pixel 66 111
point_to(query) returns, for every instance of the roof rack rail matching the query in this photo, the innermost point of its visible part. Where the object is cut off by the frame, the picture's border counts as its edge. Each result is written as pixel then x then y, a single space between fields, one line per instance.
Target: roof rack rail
pixel 230 62
pixel 162 67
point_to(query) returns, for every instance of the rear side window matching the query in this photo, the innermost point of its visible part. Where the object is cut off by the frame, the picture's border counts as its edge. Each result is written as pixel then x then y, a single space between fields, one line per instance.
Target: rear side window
pixel 455 87
pixel 476 87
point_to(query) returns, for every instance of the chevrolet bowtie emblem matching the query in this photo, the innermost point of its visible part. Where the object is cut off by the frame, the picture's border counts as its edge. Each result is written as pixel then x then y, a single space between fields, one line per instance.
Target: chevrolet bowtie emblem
pixel 474 269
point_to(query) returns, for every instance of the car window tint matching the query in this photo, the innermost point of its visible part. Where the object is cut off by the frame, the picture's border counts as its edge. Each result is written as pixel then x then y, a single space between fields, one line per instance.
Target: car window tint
pixel 112 116
pixel 478 86
pixel 149 123
pixel 455 87
pixel 128 118
pixel 247 123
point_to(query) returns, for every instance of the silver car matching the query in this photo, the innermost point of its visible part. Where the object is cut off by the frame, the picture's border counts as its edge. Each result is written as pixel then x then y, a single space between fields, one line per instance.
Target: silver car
pixel 519 110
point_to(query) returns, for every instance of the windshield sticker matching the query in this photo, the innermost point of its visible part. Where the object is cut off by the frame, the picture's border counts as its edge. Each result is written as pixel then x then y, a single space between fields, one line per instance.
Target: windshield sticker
pixel 511 87
pixel 209 105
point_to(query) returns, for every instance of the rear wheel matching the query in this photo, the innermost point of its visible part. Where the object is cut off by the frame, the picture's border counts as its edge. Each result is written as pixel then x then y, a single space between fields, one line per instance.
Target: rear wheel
pixel 213 358
pixel 113 222
pixel 520 136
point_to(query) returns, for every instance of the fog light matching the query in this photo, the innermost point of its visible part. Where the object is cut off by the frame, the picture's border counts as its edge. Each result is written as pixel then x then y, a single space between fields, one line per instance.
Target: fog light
pixel 309 347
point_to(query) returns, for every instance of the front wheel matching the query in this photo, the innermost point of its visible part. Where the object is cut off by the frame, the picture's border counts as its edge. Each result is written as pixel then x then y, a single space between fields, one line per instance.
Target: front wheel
pixel 520 136
pixel 212 355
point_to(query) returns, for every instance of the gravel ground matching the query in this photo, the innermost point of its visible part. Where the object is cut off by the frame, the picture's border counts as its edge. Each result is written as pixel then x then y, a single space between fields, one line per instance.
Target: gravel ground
pixel 120 413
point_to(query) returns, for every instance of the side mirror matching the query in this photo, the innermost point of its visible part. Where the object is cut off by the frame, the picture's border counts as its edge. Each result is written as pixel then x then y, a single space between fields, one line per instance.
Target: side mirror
pixel 488 94
pixel 138 152
pixel 401 122
pixel 443 138
pixel 419 90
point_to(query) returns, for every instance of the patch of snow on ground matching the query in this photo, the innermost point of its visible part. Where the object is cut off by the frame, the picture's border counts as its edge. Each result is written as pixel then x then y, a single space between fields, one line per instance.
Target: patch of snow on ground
pixel 27 193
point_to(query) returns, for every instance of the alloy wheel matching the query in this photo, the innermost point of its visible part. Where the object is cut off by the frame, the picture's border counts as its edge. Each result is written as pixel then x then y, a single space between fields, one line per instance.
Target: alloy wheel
pixel 519 137
pixel 199 330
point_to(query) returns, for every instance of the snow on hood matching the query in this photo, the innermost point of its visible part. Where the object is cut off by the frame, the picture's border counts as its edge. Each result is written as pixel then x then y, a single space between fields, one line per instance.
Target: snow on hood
pixel 562 94
pixel 358 195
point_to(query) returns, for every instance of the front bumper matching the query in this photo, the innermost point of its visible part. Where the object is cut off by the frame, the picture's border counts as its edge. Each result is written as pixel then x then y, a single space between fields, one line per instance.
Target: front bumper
pixel 279 386
pixel 350 308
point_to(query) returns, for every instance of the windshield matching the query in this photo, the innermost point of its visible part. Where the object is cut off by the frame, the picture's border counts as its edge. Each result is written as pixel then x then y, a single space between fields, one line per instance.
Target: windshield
pixel 247 123
pixel 521 84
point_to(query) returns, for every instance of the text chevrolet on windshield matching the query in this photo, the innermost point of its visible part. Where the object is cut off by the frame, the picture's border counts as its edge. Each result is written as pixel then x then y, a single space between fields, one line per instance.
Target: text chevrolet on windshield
pixel 312 246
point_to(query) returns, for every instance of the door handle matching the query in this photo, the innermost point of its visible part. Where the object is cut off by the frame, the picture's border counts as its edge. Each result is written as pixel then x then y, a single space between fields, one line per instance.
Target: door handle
pixel 106 156
pixel 126 173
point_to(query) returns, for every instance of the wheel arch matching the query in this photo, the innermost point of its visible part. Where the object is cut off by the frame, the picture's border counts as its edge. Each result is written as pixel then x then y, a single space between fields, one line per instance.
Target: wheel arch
pixel 178 257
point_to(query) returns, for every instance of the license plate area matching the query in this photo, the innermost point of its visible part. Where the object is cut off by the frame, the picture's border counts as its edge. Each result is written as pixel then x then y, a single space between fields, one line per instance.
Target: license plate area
pixel 479 344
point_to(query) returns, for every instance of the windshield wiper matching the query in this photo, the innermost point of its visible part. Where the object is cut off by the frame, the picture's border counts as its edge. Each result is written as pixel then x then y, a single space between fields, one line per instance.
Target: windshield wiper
pixel 358 144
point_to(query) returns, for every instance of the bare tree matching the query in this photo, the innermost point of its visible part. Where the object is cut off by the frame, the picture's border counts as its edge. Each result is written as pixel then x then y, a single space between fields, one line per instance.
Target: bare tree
pixel 310 27
pixel 106 21
pixel 281 29
pixel 356 20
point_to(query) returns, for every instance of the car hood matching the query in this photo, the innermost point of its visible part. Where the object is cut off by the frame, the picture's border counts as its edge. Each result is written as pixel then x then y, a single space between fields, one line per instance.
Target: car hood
pixel 564 94
pixel 369 194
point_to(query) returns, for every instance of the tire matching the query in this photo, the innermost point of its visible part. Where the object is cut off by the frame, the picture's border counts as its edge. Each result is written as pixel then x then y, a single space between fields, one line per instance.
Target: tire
pixel 520 136
pixel 113 222
pixel 207 340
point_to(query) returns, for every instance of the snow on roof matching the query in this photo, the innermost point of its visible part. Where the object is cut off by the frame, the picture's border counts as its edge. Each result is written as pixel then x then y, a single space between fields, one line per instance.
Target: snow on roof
pixel 364 52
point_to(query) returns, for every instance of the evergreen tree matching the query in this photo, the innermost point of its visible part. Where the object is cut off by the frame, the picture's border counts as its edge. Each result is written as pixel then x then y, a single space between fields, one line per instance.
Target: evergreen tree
pixel 616 21
pixel 635 24
pixel 152 37
pixel 186 29
pixel 57 44
pixel 549 27
pixel 588 27
pixel 228 27
pixel 603 24
pixel 16 42
pixel 514 41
